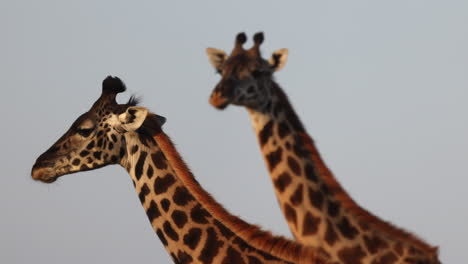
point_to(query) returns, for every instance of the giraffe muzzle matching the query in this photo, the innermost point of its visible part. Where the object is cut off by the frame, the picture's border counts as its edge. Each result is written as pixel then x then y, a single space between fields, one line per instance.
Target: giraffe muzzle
pixel 219 101
pixel 44 173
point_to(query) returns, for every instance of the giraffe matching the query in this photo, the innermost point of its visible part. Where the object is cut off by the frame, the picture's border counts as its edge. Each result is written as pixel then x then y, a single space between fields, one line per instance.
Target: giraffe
pixel 192 226
pixel 318 210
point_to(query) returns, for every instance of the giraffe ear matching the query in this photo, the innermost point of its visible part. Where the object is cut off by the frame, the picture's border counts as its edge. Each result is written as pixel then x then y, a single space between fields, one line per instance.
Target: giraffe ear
pixel 133 118
pixel 161 120
pixel 216 57
pixel 278 59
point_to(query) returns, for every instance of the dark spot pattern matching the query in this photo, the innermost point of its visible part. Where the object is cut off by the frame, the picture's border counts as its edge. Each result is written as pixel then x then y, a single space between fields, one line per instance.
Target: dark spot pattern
pixel 300 150
pixel 180 218
pixel 170 232
pixel 374 243
pixel 232 257
pixel 90 145
pixel 389 258
pixel 192 238
pixel 283 129
pixel 211 247
pixel 316 198
pixel 290 214
pixel 165 204
pixel 143 192
pixel 324 253
pixel 310 173
pixel 161 184
pixel 398 248
pixel 162 237
pixel 134 149
pixel 253 260
pixel 266 133
pixel 242 245
pixel 159 160
pixel 294 166
pixel 182 196
pixel 184 258
pixel 330 234
pixel 84 153
pixel 283 181
pixel 310 224
pixel 114 138
pixel 347 229
pixel 150 171
pixel 297 197
pixel 76 162
pixel 363 225
pixel 273 158
pixel 199 215
pixel 153 211
pixel 333 208
pixel 145 140
pixel 325 189
pixel 223 229
pixel 140 164
pixel 414 251
pixel 97 155
pixel 351 255
pixel 99 143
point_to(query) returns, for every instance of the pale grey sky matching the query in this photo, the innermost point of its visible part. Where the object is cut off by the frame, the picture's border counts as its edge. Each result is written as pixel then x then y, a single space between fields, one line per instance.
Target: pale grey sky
pixel 381 86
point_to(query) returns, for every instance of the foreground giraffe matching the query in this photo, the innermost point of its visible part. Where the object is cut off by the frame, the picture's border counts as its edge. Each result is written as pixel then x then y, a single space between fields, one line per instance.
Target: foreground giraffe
pixel 192 226
pixel 318 210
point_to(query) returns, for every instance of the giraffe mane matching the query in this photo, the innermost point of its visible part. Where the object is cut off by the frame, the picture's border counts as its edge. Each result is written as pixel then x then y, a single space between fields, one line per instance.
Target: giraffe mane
pixel 361 213
pixel 275 245
pixel 133 101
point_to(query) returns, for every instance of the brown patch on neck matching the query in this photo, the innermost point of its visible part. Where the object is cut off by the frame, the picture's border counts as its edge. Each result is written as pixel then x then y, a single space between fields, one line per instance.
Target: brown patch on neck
pixel 349 204
pixel 265 241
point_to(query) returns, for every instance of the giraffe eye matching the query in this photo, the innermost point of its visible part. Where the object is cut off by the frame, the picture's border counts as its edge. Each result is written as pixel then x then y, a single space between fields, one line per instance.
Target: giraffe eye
pixel 85 132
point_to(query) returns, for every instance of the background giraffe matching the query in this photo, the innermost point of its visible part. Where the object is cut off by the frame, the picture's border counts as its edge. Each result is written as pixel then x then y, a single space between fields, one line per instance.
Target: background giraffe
pixel 405 60
pixel 318 210
pixel 192 226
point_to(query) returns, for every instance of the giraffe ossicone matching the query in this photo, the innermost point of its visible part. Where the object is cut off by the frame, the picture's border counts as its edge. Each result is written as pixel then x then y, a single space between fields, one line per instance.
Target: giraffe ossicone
pixel 318 210
pixel 191 225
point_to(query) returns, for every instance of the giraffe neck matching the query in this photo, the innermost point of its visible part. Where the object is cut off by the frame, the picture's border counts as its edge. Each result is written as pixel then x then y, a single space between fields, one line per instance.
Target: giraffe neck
pixel 318 210
pixel 189 231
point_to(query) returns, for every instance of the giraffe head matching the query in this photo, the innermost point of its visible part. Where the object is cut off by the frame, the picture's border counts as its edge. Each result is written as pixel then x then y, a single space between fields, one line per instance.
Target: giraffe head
pixel 245 75
pixel 96 138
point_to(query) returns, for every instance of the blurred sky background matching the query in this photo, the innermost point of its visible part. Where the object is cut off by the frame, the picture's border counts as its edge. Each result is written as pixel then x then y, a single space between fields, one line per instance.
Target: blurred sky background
pixel 382 86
